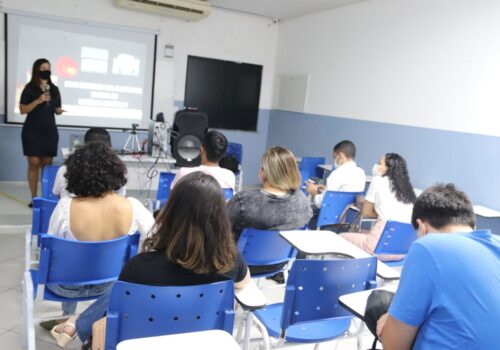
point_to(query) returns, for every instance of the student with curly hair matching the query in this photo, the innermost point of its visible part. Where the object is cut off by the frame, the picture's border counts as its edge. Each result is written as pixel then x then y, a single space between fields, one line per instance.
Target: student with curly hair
pixel 92 135
pixel 389 197
pixel 96 213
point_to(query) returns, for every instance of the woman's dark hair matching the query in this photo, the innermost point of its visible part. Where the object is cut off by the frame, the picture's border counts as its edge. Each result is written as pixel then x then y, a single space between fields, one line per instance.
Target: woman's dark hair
pixel 194 228
pixel 35 77
pixel 399 180
pixel 442 205
pixel 94 170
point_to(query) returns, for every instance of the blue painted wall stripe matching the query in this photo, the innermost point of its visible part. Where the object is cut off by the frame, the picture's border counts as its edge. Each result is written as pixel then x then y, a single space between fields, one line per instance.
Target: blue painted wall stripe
pixel 470 161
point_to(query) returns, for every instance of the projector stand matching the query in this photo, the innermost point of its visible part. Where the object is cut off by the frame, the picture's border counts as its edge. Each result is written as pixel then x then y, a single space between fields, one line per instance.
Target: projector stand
pixel 133 140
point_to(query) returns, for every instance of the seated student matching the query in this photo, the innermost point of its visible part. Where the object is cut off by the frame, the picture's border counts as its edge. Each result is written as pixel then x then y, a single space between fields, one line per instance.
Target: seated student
pixel 96 213
pixel 448 296
pixel 192 244
pixel 92 135
pixel 212 150
pixel 278 204
pixel 389 197
pixel 347 176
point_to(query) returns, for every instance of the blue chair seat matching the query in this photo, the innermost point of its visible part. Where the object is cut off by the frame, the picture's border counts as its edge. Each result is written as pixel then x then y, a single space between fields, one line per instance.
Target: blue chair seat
pixel 48 295
pixel 303 332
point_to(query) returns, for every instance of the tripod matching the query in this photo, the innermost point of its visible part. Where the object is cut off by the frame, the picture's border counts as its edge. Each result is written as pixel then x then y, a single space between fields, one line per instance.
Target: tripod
pixel 133 140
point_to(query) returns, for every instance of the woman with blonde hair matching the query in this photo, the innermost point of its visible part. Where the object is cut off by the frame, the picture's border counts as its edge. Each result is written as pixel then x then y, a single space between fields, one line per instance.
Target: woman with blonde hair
pixel 278 204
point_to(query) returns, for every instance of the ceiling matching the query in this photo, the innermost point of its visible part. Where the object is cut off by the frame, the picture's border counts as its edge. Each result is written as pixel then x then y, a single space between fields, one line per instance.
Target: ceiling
pixel 280 9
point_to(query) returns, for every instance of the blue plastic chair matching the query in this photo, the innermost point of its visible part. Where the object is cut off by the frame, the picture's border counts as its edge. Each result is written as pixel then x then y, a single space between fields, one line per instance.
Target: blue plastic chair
pixel 396 238
pixel 228 193
pixel 138 311
pixel 48 177
pixel 42 211
pixel 308 167
pixel 333 205
pixel 235 150
pixel 262 248
pixel 73 263
pixel 311 312
pixel 164 183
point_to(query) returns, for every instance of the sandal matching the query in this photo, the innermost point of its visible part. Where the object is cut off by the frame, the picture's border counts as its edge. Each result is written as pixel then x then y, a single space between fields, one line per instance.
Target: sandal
pixel 62 339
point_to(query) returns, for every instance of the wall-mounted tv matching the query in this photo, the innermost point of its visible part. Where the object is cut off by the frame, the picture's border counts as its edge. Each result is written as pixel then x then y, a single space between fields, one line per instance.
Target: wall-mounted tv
pixel 228 92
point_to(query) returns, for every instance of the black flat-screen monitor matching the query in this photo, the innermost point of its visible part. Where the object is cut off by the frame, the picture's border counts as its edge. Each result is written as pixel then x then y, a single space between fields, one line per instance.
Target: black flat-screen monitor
pixel 228 92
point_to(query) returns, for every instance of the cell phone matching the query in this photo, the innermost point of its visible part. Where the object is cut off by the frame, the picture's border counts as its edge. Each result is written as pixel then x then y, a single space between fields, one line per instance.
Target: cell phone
pixel 366 224
pixel 314 180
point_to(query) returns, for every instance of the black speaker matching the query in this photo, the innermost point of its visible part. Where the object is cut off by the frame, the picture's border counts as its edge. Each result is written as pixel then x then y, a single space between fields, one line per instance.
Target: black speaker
pixel 187 136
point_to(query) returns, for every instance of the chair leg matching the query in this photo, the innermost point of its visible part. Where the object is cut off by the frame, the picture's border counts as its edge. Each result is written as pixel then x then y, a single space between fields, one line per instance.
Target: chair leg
pixel 28 336
pixel 262 329
pixel 239 333
pixel 248 327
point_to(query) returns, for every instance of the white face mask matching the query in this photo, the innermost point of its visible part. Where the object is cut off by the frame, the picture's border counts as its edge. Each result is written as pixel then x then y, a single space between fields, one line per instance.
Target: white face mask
pixel 336 165
pixel 376 170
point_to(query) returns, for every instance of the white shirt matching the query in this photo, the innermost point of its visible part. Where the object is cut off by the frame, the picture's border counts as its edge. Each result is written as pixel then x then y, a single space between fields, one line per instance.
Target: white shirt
pixel 59 225
pixel 385 203
pixel 346 178
pixel 224 177
pixel 60 184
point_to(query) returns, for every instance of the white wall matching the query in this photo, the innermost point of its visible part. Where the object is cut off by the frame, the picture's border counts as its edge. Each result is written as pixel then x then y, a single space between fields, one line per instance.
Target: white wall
pixel 223 35
pixel 428 63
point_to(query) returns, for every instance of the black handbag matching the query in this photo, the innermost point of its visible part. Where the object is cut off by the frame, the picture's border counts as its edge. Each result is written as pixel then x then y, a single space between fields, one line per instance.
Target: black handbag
pixel 377 304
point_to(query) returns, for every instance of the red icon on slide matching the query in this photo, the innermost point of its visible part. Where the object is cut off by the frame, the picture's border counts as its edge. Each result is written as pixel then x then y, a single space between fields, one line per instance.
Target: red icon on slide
pixel 66 67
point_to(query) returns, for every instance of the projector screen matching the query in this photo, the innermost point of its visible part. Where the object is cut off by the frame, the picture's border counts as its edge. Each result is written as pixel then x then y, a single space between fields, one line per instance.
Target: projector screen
pixel 104 74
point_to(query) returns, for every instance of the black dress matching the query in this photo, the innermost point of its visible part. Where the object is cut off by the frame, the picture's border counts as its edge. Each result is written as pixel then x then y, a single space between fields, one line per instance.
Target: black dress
pixel 39 134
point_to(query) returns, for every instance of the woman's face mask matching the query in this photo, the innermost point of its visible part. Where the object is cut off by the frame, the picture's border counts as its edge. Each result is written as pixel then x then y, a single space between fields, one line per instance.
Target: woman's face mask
pixel 45 74
pixel 376 170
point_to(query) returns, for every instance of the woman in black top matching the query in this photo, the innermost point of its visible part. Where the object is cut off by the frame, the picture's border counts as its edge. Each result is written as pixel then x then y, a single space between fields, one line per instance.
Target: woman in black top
pixel 193 244
pixel 40 99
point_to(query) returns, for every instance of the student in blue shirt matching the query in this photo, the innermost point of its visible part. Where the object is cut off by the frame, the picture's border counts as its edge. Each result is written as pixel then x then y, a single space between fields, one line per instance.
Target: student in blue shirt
pixel 448 296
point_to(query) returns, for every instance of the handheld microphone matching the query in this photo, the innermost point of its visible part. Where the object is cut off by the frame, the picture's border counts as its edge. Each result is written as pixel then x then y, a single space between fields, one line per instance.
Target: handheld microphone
pixel 47 91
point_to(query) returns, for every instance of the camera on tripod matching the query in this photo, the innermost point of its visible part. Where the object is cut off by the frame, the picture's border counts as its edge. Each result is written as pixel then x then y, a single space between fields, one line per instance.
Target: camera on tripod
pixel 132 145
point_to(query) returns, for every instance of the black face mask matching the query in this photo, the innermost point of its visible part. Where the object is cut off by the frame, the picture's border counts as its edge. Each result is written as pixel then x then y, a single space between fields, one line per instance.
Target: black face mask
pixel 45 74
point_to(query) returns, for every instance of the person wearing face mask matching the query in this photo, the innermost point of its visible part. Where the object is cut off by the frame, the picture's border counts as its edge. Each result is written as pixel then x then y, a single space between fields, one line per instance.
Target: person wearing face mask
pixel 347 176
pixel 40 100
pixel 389 197
pixel 447 297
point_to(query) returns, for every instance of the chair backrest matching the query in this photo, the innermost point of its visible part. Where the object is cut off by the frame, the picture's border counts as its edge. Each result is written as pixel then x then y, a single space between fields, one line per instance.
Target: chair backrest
pixel 48 177
pixel 78 263
pixel 263 247
pixel 137 311
pixel 396 238
pixel 314 286
pixel 42 211
pixel 333 205
pixel 164 182
pixel 228 193
pixel 236 150
pixel 308 167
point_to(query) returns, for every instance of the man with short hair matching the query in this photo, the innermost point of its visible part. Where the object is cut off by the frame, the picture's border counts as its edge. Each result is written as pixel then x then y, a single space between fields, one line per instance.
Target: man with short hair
pixel 448 296
pixel 346 177
pixel 92 135
pixel 213 149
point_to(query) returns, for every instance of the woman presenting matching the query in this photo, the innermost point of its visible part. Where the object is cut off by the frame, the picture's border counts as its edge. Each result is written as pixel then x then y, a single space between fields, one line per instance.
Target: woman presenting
pixel 40 99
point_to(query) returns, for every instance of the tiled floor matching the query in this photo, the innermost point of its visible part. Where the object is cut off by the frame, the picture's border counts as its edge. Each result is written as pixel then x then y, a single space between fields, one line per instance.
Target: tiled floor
pixel 15 217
